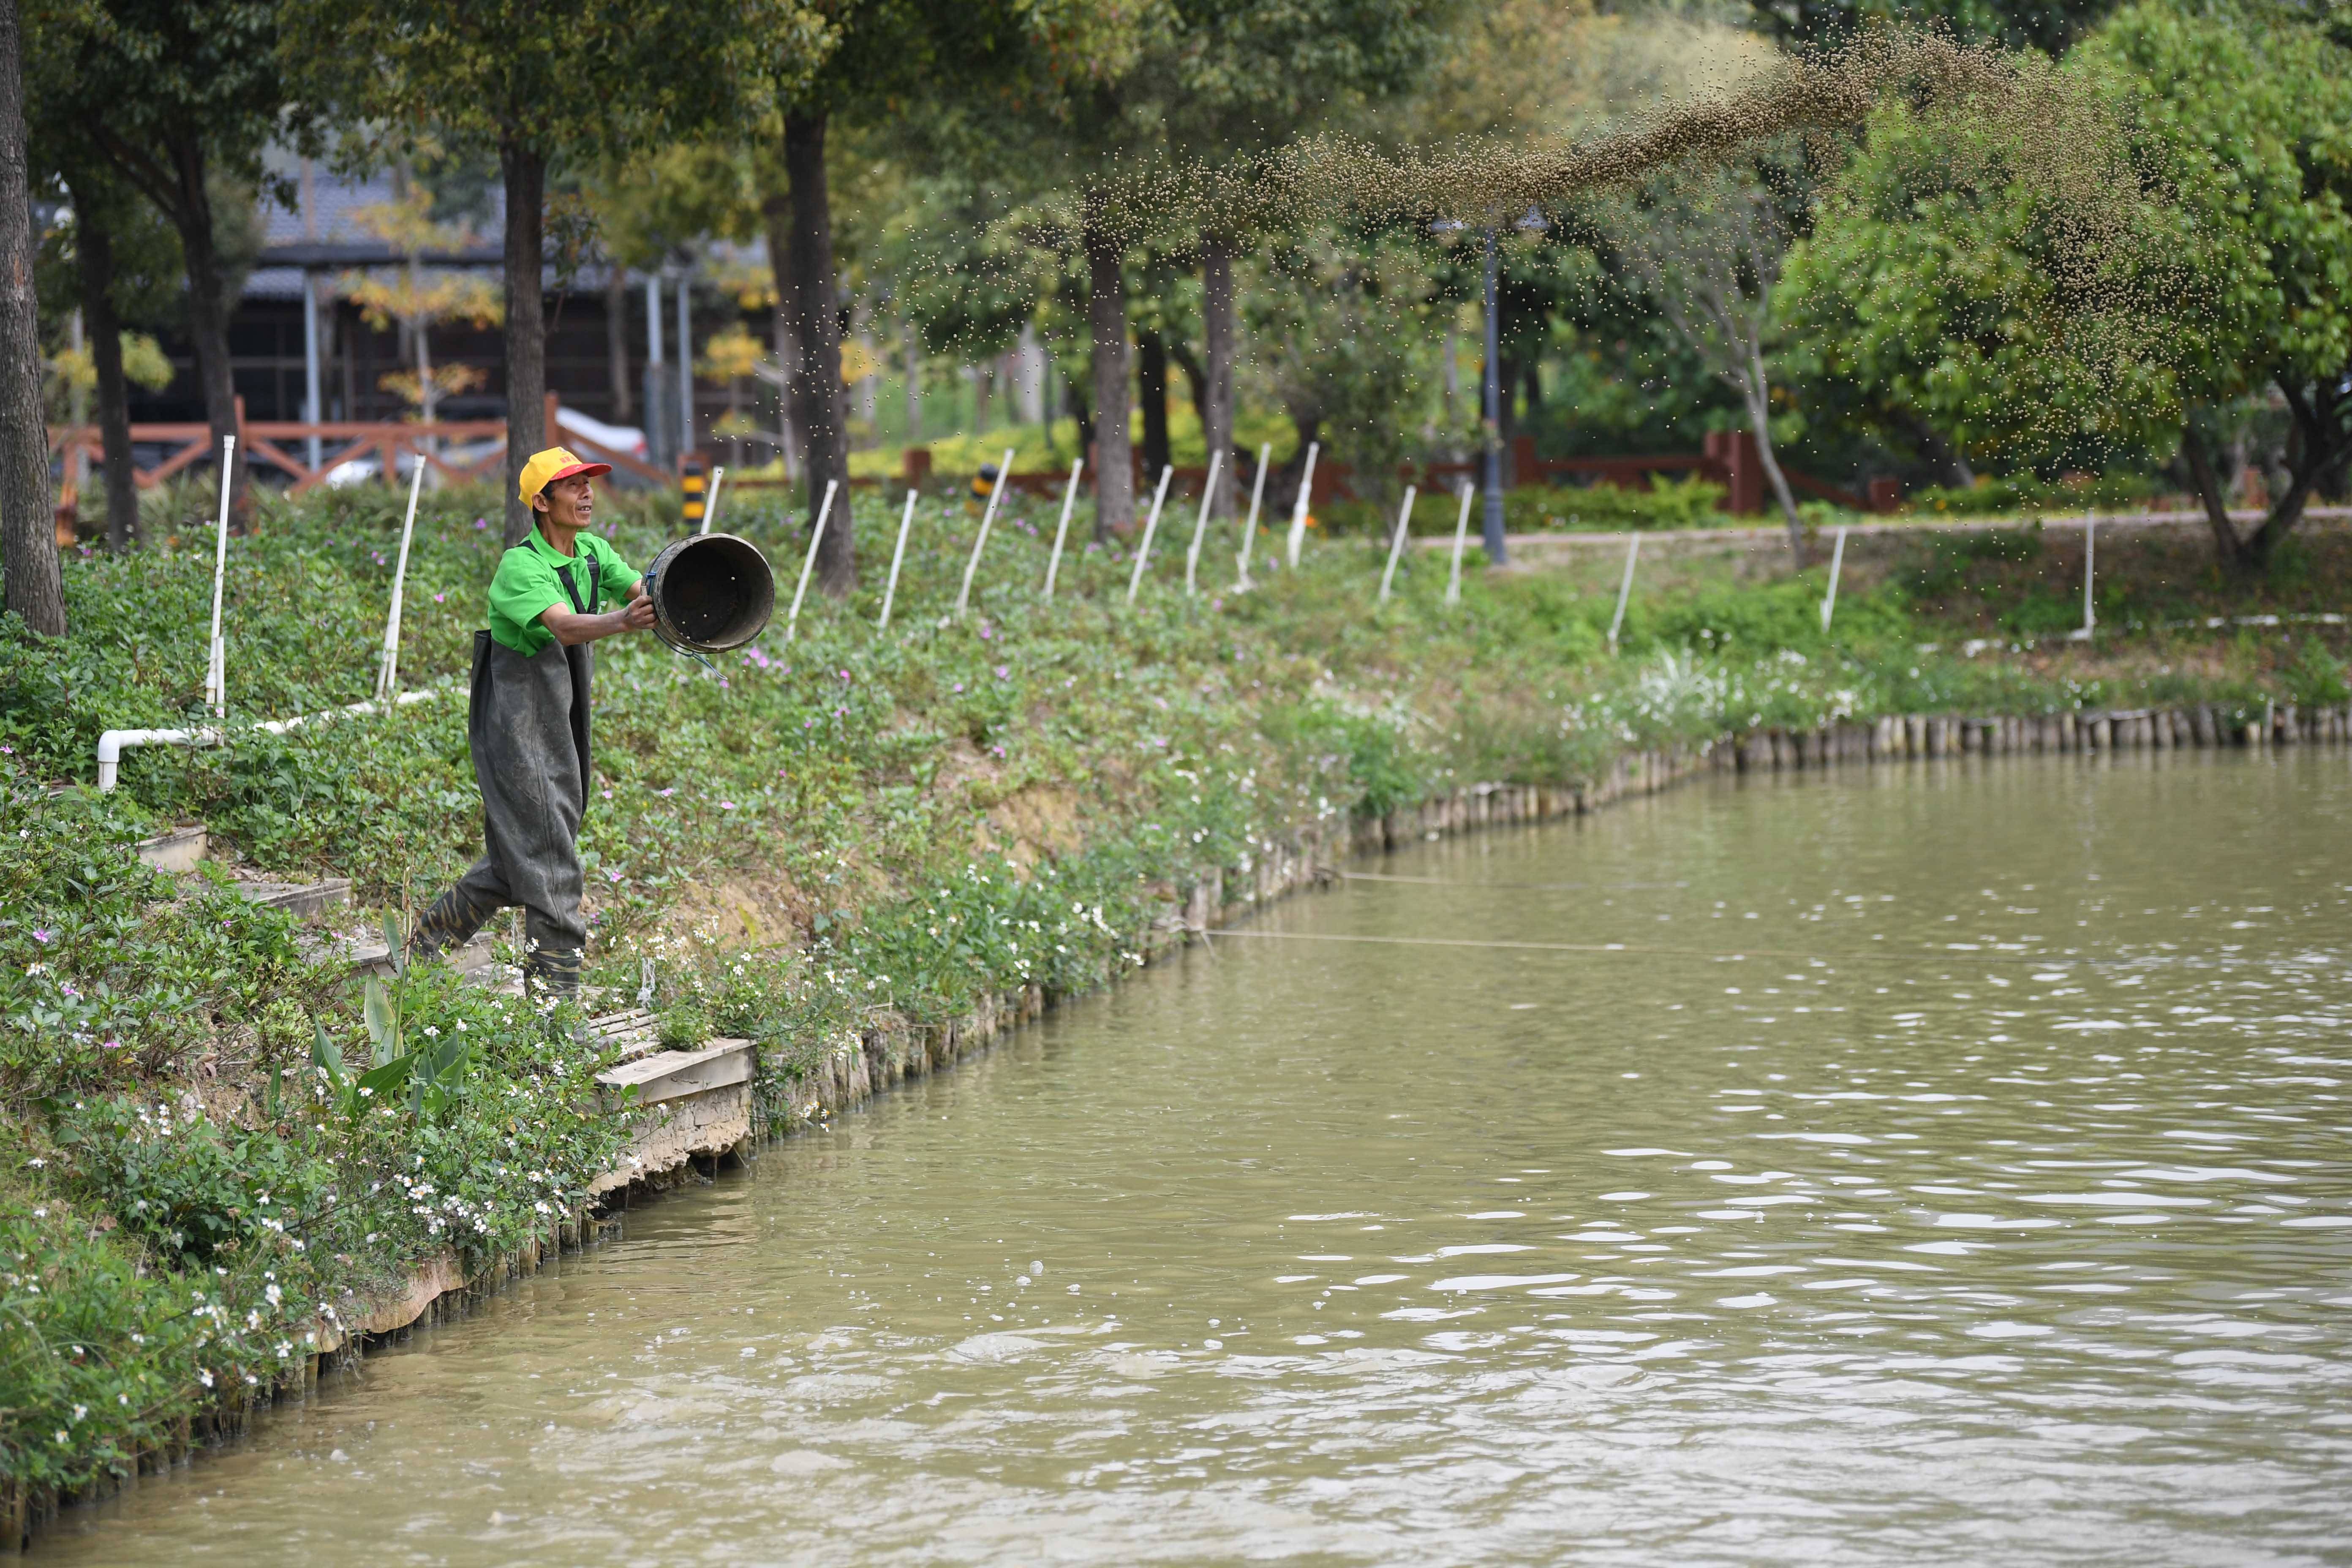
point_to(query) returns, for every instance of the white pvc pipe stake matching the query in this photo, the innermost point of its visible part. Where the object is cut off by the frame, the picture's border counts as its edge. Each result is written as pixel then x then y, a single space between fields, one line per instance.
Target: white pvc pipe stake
pixel 1200 526
pixel 892 592
pixel 1150 527
pixel 387 675
pixel 987 516
pixel 1837 560
pixel 112 744
pixel 1625 589
pixel 1396 545
pixel 710 501
pixel 1461 532
pixel 1249 528
pixel 808 562
pixel 2090 556
pixel 1061 532
pixel 1306 494
pixel 215 652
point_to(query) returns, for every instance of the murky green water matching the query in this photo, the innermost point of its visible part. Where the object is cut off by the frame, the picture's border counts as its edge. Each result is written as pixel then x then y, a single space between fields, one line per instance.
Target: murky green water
pixel 1952 1167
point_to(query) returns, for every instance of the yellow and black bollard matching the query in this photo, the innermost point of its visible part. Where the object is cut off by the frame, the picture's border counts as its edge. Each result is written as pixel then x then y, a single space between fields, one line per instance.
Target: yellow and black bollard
pixel 695 481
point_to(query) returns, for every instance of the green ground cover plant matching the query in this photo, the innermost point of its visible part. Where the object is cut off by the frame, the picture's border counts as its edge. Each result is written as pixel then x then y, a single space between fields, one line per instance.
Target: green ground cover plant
pixel 213 1140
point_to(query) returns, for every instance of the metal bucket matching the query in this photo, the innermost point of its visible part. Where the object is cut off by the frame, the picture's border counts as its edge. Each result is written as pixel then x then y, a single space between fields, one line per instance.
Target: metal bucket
pixel 711 591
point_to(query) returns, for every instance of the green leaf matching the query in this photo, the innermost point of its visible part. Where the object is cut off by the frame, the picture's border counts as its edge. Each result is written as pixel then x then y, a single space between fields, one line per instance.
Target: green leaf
pixel 449 1064
pixel 383 1021
pixel 386 1076
pixel 328 1055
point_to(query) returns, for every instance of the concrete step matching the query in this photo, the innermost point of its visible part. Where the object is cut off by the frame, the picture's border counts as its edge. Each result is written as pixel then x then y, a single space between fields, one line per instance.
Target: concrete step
pixel 674 1075
pixel 301 900
pixel 475 959
pixel 178 849
pixel 690 1104
pixel 636 1032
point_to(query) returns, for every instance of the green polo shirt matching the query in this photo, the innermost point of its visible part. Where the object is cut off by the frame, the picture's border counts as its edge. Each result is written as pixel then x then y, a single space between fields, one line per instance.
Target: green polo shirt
pixel 526 587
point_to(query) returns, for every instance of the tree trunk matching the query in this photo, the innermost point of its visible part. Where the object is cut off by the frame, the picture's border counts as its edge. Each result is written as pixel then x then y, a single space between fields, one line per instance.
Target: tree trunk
pixel 1074 402
pixel 1946 455
pixel 2208 485
pixel 1450 367
pixel 94 248
pixel 1217 342
pixel 1152 378
pixel 1281 485
pixel 525 169
pixel 616 343
pixel 208 308
pixel 816 332
pixel 1196 381
pixel 1759 411
pixel 776 213
pixel 2319 442
pixel 28 541
pixel 1114 459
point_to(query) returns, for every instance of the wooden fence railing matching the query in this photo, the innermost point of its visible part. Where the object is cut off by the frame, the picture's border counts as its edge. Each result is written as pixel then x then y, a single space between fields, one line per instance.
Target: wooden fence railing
pixel 458 449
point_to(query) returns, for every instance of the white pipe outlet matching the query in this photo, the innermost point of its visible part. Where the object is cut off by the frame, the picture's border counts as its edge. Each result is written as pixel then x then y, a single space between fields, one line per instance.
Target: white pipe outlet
pixel 114 743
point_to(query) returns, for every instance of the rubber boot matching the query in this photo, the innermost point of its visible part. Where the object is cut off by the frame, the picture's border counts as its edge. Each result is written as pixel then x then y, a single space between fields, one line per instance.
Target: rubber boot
pixel 451 922
pixel 551 975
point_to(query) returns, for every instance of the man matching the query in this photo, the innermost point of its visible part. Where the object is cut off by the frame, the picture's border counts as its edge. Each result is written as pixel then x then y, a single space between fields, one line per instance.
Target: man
pixel 528 724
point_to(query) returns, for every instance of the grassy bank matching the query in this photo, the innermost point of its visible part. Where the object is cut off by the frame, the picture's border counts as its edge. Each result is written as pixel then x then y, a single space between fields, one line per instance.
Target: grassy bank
pixel 212 1145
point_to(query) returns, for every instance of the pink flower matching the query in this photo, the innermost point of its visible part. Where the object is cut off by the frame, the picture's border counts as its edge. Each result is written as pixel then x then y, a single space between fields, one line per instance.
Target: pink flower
pixel 666 793
pixel 439 597
pixel 611 876
pixel 1004 671
pixel 725 805
pixel 42 934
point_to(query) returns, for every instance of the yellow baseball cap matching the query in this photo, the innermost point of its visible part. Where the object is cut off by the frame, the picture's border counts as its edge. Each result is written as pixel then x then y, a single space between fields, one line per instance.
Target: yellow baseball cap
pixel 545 467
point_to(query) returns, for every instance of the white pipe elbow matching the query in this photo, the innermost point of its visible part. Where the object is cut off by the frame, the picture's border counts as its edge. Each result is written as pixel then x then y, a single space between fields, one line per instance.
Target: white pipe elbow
pixel 110 759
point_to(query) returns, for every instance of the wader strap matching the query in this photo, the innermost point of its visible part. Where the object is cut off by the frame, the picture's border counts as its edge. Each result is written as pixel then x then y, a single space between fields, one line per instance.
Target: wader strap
pixel 564 575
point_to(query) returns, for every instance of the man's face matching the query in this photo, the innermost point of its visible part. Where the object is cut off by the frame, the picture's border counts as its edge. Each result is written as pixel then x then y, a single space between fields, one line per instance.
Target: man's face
pixel 570 502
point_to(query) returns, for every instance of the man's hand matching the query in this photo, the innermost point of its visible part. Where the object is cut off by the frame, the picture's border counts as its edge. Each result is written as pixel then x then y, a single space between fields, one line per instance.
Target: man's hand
pixel 572 629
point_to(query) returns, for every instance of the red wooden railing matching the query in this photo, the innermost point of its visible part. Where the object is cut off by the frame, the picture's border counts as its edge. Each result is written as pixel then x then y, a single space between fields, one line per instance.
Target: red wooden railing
pixel 457 449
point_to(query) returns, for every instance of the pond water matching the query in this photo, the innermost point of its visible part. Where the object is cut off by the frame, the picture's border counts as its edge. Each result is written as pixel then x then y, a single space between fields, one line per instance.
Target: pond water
pixel 1949 1166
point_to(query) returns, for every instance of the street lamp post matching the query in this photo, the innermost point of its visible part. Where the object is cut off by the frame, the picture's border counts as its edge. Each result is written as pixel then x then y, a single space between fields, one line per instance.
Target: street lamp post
pixel 1491 415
